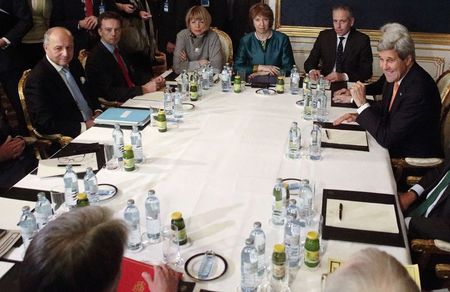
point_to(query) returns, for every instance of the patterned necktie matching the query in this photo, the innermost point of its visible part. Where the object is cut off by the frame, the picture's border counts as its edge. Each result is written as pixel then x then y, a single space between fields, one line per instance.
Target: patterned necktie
pixel 89 7
pixel 394 93
pixel 340 55
pixel 423 207
pixel 77 95
pixel 123 68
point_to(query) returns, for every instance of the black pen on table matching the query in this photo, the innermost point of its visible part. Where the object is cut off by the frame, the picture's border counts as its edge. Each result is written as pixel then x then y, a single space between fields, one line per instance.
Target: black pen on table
pixel 326 133
pixel 341 208
pixel 64 165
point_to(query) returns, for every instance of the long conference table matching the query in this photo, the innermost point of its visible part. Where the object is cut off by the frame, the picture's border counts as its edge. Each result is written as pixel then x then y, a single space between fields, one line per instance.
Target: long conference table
pixel 218 167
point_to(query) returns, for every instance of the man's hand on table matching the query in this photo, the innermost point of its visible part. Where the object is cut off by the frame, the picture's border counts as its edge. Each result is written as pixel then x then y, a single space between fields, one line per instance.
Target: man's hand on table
pixel 406 199
pixel 342 95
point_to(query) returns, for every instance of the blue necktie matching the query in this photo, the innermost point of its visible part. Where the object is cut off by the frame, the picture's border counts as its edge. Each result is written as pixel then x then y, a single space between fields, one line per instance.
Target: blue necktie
pixel 77 95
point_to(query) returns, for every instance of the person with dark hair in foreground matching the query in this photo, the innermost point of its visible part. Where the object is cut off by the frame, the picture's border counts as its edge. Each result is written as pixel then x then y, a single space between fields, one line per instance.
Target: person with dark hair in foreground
pixel 82 250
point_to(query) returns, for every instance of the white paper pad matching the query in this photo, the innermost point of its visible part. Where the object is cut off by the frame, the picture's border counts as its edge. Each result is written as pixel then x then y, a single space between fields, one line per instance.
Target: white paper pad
pixel 152 96
pixel 49 167
pixel 5 267
pixel 362 216
pixel 344 137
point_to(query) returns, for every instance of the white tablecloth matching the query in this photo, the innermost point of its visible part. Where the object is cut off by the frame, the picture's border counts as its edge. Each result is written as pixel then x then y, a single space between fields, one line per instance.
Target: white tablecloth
pixel 219 167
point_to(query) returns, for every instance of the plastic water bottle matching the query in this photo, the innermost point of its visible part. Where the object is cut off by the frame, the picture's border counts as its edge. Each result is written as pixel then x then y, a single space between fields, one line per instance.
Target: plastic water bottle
pixel 205 77
pixel 226 79
pixel 315 143
pixel 101 8
pixel 177 105
pixel 207 264
pixel 168 101
pixel 295 141
pixel 259 240
pixel 27 226
pixel 308 105
pixel 131 216
pixel 118 142
pixel 152 213
pixel 70 187
pixel 306 84
pixel 279 203
pixel 249 267
pixel 230 69
pixel 136 143
pixel 42 211
pixel 292 232
pixel 295 80
pixel 321 106
pixel 184 82
pixel 91 186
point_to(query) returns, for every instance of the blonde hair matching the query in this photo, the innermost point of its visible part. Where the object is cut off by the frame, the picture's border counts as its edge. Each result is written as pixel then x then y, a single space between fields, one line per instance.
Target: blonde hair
pixel 198 12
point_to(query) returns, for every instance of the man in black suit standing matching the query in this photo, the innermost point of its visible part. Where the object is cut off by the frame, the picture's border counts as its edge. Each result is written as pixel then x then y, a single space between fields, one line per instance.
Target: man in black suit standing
pixel 107 69
pixel 407 119
pixel 80 18
pixel 342 53
pixel 15 22
pixel 56 90
pixel 427 205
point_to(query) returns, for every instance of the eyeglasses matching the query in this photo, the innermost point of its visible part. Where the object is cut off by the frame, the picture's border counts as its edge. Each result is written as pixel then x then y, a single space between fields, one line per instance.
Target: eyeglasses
pixel 75 158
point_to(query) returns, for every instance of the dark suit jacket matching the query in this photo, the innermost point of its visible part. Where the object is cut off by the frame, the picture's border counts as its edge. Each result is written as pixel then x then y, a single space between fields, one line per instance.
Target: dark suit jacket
pixel 170 23
pixel 357 60
pixel 412 126
pixel 13 26
pixel 437 224
pixel 50 104
pixel 106 78
pixel 67 13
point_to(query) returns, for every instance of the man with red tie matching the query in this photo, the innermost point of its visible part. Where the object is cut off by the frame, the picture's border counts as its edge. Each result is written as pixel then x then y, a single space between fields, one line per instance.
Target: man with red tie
pixel 407 119
pixel 80 18
pixel 107 70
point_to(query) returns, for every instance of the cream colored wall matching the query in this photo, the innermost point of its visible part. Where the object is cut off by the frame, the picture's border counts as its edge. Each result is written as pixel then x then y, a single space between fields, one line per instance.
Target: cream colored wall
pixel 431 55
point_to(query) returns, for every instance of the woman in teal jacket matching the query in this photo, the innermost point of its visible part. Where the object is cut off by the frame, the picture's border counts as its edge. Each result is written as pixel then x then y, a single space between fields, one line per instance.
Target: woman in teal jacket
pixel 264 51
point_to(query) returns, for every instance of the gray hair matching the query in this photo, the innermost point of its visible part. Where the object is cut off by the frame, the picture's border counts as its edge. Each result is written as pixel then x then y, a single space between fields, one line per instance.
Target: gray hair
pixel 81 250
pixel 49 32
pixel 396 37
pixel 371 270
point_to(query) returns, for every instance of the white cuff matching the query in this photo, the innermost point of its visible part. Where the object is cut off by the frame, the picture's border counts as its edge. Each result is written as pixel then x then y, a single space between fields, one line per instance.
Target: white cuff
pixel 362 108
pixel 7 42
pixel 83 127
pixel 418 189
pixel 345 77
pixel 407 219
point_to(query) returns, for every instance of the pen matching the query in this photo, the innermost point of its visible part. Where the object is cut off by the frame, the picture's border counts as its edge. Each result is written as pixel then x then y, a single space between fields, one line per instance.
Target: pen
pixel 341 208
pixel 64 165
pixel 326 133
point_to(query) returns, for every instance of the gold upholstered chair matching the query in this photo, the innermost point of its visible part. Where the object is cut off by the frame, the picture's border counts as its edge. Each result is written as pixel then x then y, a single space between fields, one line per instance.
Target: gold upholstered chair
pixel 226 44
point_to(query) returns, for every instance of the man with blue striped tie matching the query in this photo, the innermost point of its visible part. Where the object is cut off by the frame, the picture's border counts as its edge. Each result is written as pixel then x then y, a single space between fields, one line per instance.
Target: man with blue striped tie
pixel 56 91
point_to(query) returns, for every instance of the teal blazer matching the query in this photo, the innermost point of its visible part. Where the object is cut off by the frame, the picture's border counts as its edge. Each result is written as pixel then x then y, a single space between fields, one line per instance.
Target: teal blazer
pixel 278 53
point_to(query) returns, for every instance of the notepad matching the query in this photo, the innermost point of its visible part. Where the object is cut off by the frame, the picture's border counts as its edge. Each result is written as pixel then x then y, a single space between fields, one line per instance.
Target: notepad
pixel 124 117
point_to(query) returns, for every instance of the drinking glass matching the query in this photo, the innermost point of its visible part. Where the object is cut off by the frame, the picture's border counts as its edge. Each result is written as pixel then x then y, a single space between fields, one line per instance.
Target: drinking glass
pixel 170 246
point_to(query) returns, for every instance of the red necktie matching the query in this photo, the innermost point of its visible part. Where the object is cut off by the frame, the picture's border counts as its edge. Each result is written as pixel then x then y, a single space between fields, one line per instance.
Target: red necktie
pixel 123 68
pixel 394 93
pixel 89 6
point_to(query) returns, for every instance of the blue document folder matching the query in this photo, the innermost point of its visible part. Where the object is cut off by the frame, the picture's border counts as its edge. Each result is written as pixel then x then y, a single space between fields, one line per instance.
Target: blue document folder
pixel 124 117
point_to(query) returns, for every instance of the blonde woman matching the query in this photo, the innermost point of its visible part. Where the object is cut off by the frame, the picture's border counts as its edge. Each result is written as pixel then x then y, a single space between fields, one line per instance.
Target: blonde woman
pixel 197 44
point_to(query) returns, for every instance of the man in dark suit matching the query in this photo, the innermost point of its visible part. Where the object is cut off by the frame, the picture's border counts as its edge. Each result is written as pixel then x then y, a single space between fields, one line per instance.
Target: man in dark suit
pixel 342 53
pixel 16 160
pixel 170 20
pixel 107 69
pixel 406 120
pixel 427 205
pixel 15 22
pixel 56 90
pixel 80 18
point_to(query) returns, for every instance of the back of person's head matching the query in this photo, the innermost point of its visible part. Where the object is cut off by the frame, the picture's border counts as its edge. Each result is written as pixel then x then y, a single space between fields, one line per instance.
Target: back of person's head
pixel 200 13
pixel 260 9
pixel 396 37
pixel 81 250
pixel 109 15
pixel 370 270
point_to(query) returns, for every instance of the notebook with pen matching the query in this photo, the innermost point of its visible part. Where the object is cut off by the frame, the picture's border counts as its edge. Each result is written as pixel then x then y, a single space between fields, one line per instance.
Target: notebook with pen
pixel 344 136
pixel 361 217
pixel 124 117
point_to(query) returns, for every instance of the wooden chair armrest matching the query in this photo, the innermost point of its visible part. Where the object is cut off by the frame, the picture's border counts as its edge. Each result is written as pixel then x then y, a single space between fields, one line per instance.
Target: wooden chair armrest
pixel 108 104
pixel 442 271
pixel 423 162
pixel 430 246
